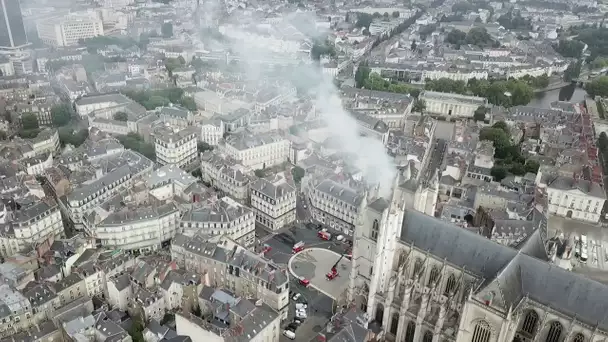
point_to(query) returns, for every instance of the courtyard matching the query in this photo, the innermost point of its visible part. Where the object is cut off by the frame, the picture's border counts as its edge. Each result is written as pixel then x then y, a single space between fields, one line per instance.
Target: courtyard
pixel 314 263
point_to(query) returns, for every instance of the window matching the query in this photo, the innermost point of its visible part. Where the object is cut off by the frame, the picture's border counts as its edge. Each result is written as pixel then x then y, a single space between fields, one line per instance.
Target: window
pixel 375 230
pixel 417 267
pixel 428 337
pixel 578 338
pixel 555 332
pixel 410 331
pixel 450 285
pixel 482 332
pixel 434 276
pixel 529 325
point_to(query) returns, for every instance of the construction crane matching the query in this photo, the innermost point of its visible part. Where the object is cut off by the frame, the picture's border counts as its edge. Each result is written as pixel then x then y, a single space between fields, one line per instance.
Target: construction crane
pixel 333 272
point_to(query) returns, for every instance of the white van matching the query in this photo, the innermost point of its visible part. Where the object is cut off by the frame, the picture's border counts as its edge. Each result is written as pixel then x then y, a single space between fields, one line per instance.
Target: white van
pixel 289 334
pixel 301 306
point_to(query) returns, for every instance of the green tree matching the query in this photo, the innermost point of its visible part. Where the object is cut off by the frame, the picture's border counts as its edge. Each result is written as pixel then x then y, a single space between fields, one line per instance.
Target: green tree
pixel 28 133
pixel 502 125
pixel 479 36
pixel 364 20
pixel 361 74
pixel 603 142
pixel 598 87
pixel 532 166
pixel 61 114
pixel 514 21
pixel 419 106
pixel 415 92
pixel 135 142
pixel 67 136
pixel 569 48
pixel 456 37
pixel 517 169
pixel 29 121
pixel 396 14
pixel 462 7
pixel 259 173
pixel 499 173
pixel 188 103
pixel 136 331
pixel 121 116
pixel 480 113
pixel 167 30
pixel 297 173
pixel 203 146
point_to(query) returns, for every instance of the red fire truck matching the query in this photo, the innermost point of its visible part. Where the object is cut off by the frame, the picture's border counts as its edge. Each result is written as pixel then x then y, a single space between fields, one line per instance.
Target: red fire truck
pixel 323 234
pixel 333 272
pixel 298 247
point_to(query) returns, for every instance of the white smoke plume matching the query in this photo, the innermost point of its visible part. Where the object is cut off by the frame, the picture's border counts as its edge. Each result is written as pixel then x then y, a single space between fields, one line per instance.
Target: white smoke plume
pixel 365 153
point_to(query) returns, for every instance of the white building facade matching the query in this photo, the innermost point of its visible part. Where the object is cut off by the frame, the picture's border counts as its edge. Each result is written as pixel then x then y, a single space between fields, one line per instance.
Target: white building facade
pixel 66 31
pixel 451 105
pixel 274 205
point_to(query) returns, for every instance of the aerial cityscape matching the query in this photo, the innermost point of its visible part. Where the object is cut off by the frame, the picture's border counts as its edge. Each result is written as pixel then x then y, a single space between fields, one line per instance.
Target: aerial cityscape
pixel 275 171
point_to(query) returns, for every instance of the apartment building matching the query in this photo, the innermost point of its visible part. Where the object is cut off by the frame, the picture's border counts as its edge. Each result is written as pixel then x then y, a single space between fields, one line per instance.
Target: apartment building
pixel 47 141
pixel 28 225
pixel 228 264
pixel 113 174
pixel 225 174
pixel 141 228
pixel 67 30
pixel 256 151
pixel 274 204
pixel 232 318
pixel 38 164
pixel 151 303
pixel 212 131
pixel 120 291
pixel 223 217
pixel 335 205
pixel 175 146
pixel 578 199
pixel 17 313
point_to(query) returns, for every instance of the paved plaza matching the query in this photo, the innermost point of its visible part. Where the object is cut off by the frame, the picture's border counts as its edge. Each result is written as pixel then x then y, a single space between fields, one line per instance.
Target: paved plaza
pixel 314 263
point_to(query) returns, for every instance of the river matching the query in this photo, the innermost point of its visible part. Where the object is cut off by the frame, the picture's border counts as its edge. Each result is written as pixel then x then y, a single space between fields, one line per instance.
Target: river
pixel 571 93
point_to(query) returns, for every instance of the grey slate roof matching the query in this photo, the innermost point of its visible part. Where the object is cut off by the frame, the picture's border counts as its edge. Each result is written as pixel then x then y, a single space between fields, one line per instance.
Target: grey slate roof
pixel 477 254
pixel 340 192
pixel 511 274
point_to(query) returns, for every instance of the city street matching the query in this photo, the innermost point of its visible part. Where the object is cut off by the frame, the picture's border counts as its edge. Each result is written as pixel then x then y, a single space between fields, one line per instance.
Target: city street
pixel 439 148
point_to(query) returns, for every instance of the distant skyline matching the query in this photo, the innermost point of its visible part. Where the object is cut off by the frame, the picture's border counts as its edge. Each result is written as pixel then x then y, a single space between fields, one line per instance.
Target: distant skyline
pixel 12 31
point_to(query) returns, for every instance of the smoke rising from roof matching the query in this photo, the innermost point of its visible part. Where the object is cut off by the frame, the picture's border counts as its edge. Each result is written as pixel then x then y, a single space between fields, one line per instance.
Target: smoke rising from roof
pixel 366 154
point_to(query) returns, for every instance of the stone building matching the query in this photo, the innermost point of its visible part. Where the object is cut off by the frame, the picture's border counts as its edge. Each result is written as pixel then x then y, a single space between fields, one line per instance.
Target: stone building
pixel 423 279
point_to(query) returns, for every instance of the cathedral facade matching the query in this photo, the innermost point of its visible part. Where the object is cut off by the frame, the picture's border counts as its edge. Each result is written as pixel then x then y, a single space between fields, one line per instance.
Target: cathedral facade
pixel 420 279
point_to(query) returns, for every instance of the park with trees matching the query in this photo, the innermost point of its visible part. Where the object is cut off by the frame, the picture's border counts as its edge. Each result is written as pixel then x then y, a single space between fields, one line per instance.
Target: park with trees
pixel 152 99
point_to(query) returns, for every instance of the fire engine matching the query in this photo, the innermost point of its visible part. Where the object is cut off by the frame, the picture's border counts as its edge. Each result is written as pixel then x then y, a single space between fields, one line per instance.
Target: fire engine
pixel 298 247
pixel 323 234
pixel 333 272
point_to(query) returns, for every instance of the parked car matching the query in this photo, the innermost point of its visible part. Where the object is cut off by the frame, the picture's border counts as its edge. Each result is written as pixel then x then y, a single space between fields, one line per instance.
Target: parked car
pixel 292 326
pixel 301 306
pixel 339 237
pixel 301 314
pixel 289 334
pixel 296 296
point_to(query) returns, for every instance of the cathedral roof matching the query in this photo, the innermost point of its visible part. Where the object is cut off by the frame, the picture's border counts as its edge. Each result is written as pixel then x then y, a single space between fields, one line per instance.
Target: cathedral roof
pixel 510 274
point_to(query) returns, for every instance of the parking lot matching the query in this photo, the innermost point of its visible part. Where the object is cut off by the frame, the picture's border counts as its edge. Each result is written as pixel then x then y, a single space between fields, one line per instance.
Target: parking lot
pixel 596 265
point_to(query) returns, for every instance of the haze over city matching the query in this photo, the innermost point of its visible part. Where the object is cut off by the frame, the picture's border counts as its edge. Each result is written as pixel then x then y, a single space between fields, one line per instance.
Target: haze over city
pixel 267 171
